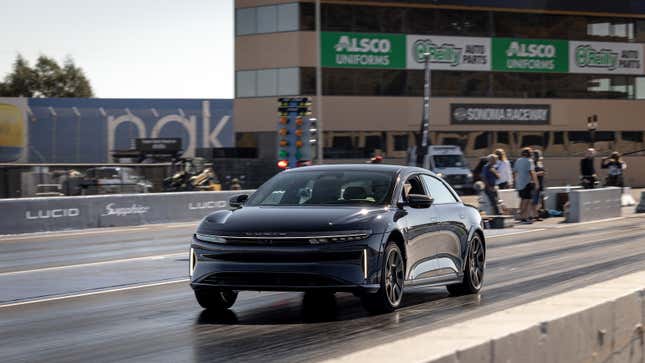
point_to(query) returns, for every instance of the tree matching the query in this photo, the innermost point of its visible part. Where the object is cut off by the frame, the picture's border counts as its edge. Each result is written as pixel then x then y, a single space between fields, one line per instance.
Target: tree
pixel 46 79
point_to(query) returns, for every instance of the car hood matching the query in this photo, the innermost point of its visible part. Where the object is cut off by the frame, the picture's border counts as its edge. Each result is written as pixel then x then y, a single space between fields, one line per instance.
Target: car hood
pixel 295 219
pixel 453 171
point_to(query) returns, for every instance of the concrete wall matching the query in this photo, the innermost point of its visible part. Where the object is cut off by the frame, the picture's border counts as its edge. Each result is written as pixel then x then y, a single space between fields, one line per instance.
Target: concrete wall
pixel 25 215
pixel 599 323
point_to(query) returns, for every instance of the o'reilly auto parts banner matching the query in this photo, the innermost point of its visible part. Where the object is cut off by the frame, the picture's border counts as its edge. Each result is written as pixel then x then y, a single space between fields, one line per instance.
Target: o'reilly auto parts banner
pixel 349 50
pixel 604 57
pixel 505 114
pixel 399 51
pixel 530 55
pixel 448 53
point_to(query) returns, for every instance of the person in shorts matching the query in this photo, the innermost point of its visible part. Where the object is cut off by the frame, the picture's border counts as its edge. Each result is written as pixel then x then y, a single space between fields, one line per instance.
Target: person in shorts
pixel 526 184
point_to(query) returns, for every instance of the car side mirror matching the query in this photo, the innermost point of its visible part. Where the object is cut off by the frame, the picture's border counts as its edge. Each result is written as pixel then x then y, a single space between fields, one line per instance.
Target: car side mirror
pixel 419 201
pixel 238 200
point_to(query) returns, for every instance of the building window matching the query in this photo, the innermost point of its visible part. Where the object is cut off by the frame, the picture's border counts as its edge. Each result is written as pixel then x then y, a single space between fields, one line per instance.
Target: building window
pixel 245 84
pixel 401 142
pixel 633 136
pixel 245 21
pixel 272 18
pixel 270 82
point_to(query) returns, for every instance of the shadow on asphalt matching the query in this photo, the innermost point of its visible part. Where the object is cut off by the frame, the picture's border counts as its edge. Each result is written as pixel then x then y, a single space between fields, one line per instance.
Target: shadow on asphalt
pixel 312 308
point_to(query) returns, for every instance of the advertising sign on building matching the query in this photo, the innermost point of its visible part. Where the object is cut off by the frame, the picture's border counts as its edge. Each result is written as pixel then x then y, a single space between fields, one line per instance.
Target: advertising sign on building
pixel 449 53
pixel 530 55
pixel 603 57
pixel 87 130
pixel 361 50
pixel 503 114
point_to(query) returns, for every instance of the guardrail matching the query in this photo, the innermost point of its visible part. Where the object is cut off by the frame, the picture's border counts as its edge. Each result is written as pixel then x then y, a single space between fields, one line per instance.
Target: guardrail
pixel 25 215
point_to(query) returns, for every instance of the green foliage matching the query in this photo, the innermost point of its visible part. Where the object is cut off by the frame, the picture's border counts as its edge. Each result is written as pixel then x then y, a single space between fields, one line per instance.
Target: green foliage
pixel 46 79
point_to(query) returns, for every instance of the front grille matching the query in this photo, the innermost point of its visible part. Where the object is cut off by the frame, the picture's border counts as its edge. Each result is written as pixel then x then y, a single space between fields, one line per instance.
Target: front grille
pixel 286 257
pixel 241 279
pixel 455 179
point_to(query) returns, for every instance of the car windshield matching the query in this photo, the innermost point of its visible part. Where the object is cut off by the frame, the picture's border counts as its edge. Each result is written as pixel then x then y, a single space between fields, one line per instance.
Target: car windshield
pixel 335 187
pixel 449 161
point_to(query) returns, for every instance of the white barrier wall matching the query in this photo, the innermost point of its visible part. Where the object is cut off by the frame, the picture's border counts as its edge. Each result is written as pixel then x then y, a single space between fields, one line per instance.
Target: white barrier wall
pixel 592 204
pixel 598 323
pixel 24 215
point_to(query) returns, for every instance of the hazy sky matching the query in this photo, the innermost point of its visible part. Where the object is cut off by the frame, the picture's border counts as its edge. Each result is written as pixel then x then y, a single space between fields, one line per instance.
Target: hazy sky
pixel 128 49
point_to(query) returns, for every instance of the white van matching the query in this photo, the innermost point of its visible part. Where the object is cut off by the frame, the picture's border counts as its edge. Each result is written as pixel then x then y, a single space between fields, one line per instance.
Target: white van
pixel 448 162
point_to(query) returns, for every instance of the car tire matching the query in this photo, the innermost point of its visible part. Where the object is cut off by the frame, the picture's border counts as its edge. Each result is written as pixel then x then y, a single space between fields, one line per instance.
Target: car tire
pixel 474 272
pixel 390 294
pixel 216 299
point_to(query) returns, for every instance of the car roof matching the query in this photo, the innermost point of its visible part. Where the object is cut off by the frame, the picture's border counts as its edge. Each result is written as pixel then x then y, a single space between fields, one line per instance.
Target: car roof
pixel 400 169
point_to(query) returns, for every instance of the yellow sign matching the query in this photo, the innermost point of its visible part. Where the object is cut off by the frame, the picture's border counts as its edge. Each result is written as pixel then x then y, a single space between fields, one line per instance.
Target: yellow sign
pixel 12 132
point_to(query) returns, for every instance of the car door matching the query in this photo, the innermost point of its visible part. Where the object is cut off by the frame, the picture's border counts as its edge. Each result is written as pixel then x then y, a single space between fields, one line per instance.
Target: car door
pixel 420 226
pixel 451 241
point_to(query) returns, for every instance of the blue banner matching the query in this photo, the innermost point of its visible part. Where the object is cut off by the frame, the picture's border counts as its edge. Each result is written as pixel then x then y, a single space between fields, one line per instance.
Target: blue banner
pixel 86 130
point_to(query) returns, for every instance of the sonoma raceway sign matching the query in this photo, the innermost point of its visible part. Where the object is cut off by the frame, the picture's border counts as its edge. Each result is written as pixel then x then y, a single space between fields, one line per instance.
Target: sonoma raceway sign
pixel 462 113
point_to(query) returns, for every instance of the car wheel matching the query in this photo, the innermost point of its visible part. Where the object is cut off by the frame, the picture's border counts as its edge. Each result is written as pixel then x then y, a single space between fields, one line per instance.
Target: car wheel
pixel 474 271
pixel 216 299
pixel 390 294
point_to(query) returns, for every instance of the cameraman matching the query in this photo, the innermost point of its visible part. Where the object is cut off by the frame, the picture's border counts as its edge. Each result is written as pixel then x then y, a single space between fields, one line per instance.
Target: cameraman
pixel 616 165
pixel 588 170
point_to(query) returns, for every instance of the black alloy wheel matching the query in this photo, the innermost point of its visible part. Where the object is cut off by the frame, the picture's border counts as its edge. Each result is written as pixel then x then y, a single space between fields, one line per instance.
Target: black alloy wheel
pixel 389 296
pixel 474 272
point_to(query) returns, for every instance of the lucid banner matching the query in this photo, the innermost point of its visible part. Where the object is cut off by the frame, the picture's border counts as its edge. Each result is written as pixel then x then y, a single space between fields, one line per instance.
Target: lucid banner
pixel 26 215
pixel 605 58
pixel 448 53
pixel 505 114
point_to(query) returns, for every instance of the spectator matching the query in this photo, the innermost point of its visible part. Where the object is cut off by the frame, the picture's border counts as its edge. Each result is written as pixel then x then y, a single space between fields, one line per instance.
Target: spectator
pixel 525 183
pixel 489 177
pixel 539 172
pixel 504 169
pixel 235 184
pixel 616 165
pixel 587 170
pixel 478 169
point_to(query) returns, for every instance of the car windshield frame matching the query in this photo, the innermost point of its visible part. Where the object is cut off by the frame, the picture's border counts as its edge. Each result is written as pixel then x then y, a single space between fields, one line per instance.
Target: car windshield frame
pixel 262 194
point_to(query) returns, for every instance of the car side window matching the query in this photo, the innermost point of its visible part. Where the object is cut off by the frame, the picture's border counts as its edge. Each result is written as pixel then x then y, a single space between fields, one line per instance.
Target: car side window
pixel 438 190
pixel 412 186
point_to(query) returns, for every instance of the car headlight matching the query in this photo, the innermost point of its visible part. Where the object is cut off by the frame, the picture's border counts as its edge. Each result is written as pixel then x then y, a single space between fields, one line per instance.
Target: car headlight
pixel 209 238
pixel 440 175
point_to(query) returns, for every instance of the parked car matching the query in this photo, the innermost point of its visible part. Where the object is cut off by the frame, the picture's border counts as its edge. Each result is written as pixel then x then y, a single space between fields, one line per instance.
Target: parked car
pixel 113 180
pixel 367 229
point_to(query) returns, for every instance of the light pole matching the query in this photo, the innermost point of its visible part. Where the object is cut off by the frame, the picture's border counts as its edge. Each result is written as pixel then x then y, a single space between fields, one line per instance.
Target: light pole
pixel 592 126
pixel 319 106
pixel 425 120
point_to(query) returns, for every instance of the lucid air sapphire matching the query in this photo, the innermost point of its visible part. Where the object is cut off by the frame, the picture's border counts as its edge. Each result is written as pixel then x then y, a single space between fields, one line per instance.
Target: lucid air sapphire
pixel 367 229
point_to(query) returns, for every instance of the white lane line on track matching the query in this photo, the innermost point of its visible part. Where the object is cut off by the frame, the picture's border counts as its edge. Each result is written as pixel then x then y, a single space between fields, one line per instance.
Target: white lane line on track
pixel 515 233
pixel 143 258
pixel 53 234
pixel 98 292
pixel 59 234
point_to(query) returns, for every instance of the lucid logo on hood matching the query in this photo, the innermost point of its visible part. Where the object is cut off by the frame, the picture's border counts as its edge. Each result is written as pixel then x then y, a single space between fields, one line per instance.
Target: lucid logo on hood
pixel 110 210
pixel 52 213
pixel 207 205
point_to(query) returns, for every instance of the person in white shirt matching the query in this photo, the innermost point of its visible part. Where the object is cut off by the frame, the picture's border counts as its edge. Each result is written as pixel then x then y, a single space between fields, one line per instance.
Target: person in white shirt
pixel 504 169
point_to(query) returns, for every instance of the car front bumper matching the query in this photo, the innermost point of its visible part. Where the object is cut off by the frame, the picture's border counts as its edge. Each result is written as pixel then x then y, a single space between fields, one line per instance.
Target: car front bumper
pixel 336 266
